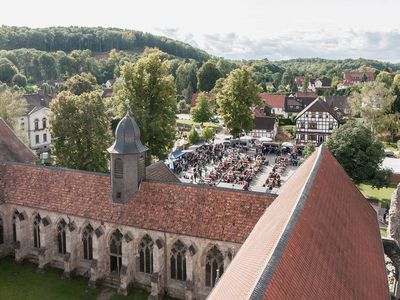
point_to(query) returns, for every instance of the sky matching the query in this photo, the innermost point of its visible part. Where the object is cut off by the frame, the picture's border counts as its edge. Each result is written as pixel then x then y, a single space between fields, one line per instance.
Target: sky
pixel 246 29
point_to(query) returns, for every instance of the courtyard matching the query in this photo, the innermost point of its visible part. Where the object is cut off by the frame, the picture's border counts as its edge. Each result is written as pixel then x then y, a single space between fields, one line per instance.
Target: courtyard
pixel 22 282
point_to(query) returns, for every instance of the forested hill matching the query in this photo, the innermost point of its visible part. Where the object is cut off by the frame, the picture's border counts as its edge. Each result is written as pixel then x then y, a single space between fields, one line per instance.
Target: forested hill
pixel 97 39
pixel 329 67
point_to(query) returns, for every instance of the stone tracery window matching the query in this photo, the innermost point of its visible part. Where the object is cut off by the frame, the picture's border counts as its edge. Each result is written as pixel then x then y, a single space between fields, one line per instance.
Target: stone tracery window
pixel 61 237
pixel 146 254
pixel 87 240
pixel 36 231
pixel 178 261
pixel 116 252
pixel 1 231
pixel 214 266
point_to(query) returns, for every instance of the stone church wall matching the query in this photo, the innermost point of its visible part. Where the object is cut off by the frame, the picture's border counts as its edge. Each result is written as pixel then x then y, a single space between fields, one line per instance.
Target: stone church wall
pixel 98 269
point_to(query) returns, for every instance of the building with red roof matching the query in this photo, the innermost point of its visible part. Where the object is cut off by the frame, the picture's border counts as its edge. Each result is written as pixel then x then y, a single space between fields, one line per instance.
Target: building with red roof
pixel 275 101
pixel 319 239
pixel 351 78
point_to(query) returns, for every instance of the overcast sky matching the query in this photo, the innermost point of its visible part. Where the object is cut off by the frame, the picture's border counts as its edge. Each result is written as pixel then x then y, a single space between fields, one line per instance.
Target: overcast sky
pixel 239 29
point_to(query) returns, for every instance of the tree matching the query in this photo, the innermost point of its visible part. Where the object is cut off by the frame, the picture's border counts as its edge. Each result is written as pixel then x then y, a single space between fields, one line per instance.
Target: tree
pixel 207 75
pixel 151 92
pixel 186 77
pixel 360 155
pixel 81 83
pixel 80 131
pixel 371 102
pixel 12 106
pixel 48 66
pixel 193 137
pixel 236 99
pixel 305 83
pixel 7 70
pixel 386 78
pixel 19 80
pixel 207 133
pixel 396 92
pixel 202 112
pixel 308 150
pixel 182 105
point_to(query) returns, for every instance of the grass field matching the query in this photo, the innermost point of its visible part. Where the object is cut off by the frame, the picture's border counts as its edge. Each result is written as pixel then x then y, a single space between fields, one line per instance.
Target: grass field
pixel 191 123
pixel 22 282
pixel 382 195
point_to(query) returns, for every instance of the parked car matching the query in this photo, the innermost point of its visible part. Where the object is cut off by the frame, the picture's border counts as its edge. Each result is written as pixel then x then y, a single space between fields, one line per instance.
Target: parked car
pixel 389 153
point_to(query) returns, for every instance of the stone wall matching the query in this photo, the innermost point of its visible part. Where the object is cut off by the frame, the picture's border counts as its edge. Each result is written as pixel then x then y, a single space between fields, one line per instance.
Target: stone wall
pixel 98 269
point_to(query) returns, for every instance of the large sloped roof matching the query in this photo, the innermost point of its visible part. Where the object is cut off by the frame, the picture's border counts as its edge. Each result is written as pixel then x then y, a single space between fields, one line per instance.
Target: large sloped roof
pixel 273 100
pixel 12 148
pixel 319 239
pixel 318 105
pixel 192 210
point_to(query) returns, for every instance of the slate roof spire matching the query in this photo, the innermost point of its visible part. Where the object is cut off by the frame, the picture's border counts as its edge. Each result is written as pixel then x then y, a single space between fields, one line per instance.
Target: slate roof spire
pixel 127 136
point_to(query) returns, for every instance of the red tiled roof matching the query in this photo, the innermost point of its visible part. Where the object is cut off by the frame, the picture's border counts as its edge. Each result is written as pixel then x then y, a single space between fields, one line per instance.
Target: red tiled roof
pixel 299 80
pixel 192 210
pixel 273 100
pixel 12 148
pixel 160 172
pixel 319 239
pixel 349 76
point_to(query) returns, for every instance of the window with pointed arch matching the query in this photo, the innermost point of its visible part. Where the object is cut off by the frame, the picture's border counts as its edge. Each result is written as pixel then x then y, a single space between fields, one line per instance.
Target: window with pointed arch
pixel 116 252
pixel 14 225
pixel 36 231
pixel 61 237
pixel 214 266
pixel 1 231
pixel 178 261
pixel 146 254
pixel 36 124
pixel 87 240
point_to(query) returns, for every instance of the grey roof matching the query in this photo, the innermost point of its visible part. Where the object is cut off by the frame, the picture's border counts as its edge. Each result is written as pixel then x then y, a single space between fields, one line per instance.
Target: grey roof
pixel 37 100
pixel 127 137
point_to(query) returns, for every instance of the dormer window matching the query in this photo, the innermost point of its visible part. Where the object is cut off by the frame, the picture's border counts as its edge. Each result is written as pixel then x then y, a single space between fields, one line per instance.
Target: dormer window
pixel 118 168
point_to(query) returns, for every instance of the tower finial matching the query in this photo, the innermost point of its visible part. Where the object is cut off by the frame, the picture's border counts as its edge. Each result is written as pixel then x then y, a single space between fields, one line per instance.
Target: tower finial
pixel 127 106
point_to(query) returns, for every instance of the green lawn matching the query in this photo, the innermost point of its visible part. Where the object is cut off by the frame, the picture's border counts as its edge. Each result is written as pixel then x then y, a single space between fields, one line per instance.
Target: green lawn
pixel 383 232
pixel 22 282
pixel 191 122
pixel 382 195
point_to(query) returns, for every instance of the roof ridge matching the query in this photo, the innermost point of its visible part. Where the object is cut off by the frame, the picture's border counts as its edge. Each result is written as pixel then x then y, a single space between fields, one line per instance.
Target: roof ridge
pixel 264 279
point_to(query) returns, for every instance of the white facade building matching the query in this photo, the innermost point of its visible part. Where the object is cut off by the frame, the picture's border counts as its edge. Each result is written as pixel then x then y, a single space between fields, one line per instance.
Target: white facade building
pixel 36 125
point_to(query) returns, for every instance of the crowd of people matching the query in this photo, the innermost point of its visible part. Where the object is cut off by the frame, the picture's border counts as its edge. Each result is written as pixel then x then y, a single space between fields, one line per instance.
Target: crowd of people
pixel 233 163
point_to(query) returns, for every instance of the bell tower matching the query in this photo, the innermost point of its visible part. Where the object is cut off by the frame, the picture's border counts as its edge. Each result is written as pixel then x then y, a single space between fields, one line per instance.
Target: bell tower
pixel 128 156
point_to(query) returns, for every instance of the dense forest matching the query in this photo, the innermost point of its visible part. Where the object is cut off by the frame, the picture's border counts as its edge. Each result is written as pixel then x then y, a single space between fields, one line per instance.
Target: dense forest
pixel 96 39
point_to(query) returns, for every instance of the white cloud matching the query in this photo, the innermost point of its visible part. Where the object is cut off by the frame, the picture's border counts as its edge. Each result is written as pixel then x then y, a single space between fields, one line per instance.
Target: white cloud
pixel 336 45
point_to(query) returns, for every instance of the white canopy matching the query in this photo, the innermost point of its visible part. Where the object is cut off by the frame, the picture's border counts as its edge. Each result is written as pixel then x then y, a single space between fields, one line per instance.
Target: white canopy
pixel 287 144
pixel 245 138
pixel 265 139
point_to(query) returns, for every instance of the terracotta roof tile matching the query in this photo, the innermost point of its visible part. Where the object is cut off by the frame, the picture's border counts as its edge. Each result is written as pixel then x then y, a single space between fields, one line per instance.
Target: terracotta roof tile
pixel 273 100
pixel 192 210
pixel 12 148
pixel 159 171
pixel 318 240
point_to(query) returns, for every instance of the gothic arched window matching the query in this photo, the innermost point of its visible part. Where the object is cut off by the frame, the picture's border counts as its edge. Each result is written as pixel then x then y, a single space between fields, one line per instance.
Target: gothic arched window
pixel 14 225
pixel 178 261
pixel 1 231
pixel 118 168
pixel 116 252
pixel 146 255
pixel 87 240
pixel 214 266
pixel 36 124
pixel 61 237
pixel 36 231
